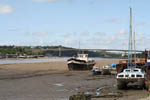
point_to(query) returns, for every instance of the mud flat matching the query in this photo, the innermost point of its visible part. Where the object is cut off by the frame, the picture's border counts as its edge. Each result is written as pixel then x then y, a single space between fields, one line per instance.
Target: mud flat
pixel 147 98
pixel 28 69
pixel 53 81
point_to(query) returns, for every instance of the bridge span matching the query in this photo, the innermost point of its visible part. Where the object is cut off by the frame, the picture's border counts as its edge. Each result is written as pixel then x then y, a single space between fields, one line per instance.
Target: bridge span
pixel 121 50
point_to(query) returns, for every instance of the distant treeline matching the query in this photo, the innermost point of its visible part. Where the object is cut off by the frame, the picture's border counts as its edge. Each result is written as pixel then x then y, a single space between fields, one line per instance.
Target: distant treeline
pixel 14 50
pixel 58 51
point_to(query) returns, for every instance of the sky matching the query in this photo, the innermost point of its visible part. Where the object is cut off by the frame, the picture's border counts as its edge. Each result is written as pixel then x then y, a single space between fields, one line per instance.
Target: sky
pixel 94 24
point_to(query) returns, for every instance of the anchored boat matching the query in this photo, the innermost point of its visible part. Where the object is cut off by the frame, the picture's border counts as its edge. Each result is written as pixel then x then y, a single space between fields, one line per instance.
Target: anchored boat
pixel 106 70
pixel 80 62
pixel 96 70
pixel 131 73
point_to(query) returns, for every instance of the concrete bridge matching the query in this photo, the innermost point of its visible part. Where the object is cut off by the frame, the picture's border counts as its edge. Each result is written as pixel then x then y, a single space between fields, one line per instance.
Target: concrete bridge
pixel 105 50
pixel 62 49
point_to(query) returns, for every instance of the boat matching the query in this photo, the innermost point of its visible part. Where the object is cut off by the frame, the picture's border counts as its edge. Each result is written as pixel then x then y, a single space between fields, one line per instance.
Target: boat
pixel 80 62
pixel 96 70
pixel 131 75
pixel 130 71
pixel 106 70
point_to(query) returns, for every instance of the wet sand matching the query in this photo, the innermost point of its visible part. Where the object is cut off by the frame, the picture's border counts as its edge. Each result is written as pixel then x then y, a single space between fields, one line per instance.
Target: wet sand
pixel 53 81
pixel 43 67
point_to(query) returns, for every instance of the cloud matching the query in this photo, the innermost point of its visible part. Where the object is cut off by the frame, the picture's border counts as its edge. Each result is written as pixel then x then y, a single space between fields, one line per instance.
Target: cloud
pixel 45 1
pixel 51 1
pixel 70 35
pixel 99 34
pixel 36 35
pixel 96 40
pixel 40 33
pixel 113 20
pixel 102 40
pixel 140 36
pixel 122 32
pixel 142 41
pixel 91 2
pixel 70 41
pixel 85 33
pixel 5 9
pixel 138 23
pixel 13 30
pixel 77 35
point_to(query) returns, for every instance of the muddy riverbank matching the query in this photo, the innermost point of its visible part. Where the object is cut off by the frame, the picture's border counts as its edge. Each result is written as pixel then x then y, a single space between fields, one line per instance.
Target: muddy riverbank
pixel 53 81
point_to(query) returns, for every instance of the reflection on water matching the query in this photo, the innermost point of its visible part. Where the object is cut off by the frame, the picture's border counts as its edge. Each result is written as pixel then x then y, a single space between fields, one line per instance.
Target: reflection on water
pixel 17 61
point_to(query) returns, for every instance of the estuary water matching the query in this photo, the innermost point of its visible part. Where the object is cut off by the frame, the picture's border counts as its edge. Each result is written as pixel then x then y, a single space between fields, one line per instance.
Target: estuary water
pixel 18 61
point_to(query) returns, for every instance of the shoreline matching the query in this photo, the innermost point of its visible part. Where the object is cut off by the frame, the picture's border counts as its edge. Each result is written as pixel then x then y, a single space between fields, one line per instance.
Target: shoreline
pixel 32 58
pixel 52 58
pixel 98 62
pixel 44 60
pixel 57 66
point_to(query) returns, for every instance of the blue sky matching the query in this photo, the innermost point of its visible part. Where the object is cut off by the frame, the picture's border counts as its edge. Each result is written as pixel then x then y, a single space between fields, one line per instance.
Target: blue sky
pixel 93 23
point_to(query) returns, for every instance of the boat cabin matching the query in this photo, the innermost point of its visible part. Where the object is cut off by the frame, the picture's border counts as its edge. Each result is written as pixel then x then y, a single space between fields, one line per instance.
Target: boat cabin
pixel 132 73
pixel 83 56
pixel 132 70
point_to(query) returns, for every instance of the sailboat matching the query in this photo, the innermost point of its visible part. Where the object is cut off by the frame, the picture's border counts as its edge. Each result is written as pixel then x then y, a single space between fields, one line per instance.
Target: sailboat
pixel 131 74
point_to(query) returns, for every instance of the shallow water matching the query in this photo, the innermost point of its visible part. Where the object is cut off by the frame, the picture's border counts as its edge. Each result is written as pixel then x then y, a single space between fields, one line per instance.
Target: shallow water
pixel 18 61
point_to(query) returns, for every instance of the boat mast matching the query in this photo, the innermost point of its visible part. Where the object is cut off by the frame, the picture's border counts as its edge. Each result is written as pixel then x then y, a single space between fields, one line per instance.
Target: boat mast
pixel 79 48
pixel 130 40
pixel 131 44
pixel 134 50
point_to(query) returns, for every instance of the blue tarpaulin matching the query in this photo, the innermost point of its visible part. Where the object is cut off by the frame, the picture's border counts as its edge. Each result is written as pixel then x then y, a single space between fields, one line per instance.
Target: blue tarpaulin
pixel 113 65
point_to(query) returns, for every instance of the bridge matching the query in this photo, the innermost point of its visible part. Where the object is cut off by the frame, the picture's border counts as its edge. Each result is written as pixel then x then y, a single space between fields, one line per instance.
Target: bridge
pixel 105 50
pixel 62 49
